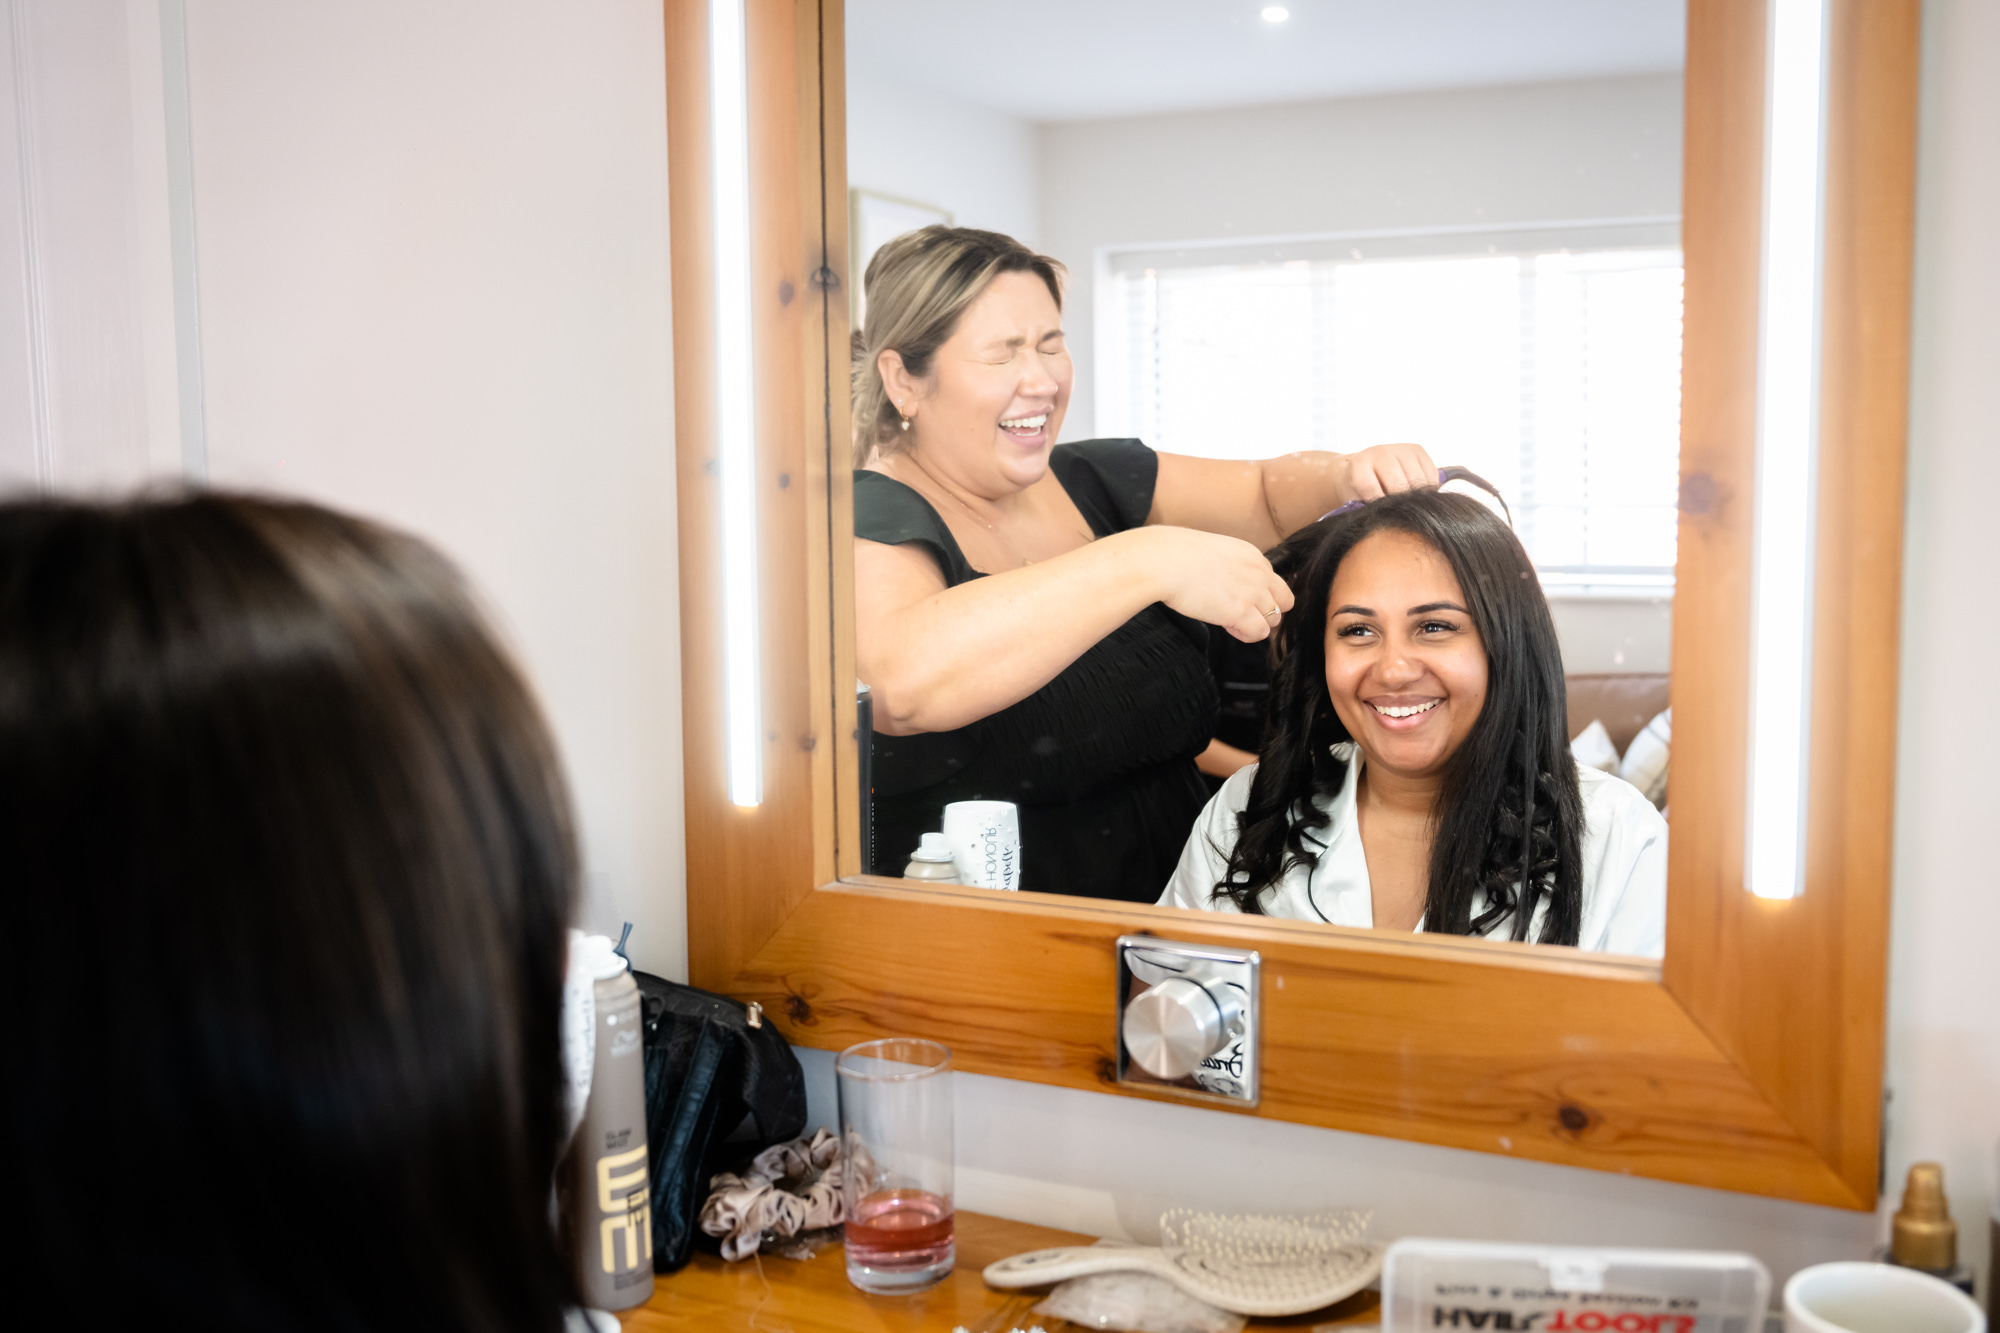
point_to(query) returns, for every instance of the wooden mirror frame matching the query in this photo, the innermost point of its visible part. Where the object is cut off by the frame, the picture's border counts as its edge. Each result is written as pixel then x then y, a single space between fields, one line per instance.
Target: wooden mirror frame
pixel 1751 1060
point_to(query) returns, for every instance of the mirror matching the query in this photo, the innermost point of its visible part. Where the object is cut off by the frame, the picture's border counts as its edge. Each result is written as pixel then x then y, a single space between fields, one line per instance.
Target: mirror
pixel 1324 229
pixel 1749 1059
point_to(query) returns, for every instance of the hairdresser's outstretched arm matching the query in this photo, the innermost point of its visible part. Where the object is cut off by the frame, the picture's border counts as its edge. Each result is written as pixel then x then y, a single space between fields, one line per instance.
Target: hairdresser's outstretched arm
pixel 938 658
pixel 1266 500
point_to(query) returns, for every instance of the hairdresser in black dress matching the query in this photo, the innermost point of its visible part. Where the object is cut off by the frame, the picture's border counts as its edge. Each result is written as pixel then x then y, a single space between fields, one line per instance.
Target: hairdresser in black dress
pixel 1033 619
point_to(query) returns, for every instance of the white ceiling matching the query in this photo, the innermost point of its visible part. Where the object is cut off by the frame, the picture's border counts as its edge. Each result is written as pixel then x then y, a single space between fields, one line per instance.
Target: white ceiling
pixel 1045 60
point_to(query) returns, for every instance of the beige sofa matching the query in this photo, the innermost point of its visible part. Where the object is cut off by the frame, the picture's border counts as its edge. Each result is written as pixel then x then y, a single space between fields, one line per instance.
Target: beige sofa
pixel 1624 702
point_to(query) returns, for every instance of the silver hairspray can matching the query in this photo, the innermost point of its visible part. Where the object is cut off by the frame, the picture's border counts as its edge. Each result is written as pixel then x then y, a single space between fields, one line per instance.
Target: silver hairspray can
pixel 608 1213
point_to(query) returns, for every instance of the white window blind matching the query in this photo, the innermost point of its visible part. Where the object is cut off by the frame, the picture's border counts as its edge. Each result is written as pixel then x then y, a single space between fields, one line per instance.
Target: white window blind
pixel 1547 360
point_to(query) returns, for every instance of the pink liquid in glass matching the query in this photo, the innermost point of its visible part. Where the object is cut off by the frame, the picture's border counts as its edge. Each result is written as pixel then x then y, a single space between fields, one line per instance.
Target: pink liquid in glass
pixel 900 1229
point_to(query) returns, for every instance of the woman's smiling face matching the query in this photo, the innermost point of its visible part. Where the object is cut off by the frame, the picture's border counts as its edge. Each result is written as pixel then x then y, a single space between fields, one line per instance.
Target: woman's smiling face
pixel 1405 668
pixel 1002 381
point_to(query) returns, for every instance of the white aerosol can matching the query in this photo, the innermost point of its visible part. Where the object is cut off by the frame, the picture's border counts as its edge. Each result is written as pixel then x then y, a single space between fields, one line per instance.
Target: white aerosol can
pixel 932 861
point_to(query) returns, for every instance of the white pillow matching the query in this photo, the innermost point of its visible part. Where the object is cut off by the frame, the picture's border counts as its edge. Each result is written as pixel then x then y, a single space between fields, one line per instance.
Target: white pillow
pixel 1593 749
pixel 1645 763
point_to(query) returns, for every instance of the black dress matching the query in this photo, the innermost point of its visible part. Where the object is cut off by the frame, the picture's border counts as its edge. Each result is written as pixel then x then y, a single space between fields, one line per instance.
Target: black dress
pixel 1242 674
pixel 1100 761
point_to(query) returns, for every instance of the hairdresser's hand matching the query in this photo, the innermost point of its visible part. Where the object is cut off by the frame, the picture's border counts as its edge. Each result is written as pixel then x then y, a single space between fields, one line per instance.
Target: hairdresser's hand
pixel 1385 469
pixel 1221 580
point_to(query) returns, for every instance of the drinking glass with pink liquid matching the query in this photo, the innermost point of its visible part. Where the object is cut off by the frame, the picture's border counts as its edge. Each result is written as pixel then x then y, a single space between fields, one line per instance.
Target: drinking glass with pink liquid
pixel 895 1132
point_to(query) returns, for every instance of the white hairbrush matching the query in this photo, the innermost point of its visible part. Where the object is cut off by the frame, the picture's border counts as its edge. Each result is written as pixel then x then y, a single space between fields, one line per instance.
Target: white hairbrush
pixel 1249 1264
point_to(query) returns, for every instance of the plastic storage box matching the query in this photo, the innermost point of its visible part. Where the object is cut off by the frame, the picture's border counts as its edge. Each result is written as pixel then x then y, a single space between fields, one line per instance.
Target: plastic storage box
pixel 1460 1284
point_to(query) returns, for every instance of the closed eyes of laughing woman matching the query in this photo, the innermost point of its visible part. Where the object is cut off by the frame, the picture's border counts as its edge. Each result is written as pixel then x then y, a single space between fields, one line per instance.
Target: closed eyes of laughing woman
pixel 1417 773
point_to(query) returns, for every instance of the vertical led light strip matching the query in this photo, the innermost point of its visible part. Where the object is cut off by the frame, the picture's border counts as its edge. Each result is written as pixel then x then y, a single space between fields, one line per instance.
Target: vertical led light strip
pixel 1787 449
pixel 181 241
pixel 34 252
pixel 736 438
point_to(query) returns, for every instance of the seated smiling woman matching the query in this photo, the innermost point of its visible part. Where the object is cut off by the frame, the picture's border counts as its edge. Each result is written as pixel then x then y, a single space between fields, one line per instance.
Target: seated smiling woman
pixel 1421 684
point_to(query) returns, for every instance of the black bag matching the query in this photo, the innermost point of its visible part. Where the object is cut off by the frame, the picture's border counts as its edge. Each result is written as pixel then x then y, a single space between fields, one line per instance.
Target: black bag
pixel 710 1062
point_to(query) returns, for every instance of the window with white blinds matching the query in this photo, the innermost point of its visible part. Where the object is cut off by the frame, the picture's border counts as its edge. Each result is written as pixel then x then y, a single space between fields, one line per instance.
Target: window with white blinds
pixel 1547 360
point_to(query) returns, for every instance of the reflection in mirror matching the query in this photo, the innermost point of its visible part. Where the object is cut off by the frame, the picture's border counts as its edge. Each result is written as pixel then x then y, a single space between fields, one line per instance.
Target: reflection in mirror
pixel 1288 266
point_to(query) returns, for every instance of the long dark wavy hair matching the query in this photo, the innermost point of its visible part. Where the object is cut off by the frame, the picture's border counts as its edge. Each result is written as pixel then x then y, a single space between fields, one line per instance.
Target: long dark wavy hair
pixel 287 861
pixel 1496 831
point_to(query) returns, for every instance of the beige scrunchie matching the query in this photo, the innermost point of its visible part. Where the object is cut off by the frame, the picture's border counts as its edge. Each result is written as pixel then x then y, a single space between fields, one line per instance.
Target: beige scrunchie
pixel 789 1188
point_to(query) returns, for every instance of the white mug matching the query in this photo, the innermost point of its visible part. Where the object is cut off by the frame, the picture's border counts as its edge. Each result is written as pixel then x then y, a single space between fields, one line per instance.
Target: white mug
pixel 985 840
pixel 1876 1298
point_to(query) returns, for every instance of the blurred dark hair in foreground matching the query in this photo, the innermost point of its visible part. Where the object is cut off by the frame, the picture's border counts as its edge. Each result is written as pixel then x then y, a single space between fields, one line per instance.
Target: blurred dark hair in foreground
pixel 288 864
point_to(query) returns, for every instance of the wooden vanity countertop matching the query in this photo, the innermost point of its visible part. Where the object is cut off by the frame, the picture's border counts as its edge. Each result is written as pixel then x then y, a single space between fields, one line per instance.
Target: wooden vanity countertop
pixel 814 1296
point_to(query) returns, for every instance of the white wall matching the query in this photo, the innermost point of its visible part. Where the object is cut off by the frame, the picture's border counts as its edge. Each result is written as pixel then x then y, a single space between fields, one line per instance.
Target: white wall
pixel 977 164
pixel 1541 152
pixel 1108 1165
pixel 1614 634
pixel 433 261
pixel 433 251
pixel 1944 990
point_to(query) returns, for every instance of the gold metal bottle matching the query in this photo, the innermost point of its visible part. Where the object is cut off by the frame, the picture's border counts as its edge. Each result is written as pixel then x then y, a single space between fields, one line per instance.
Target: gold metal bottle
pixel 1923 1236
